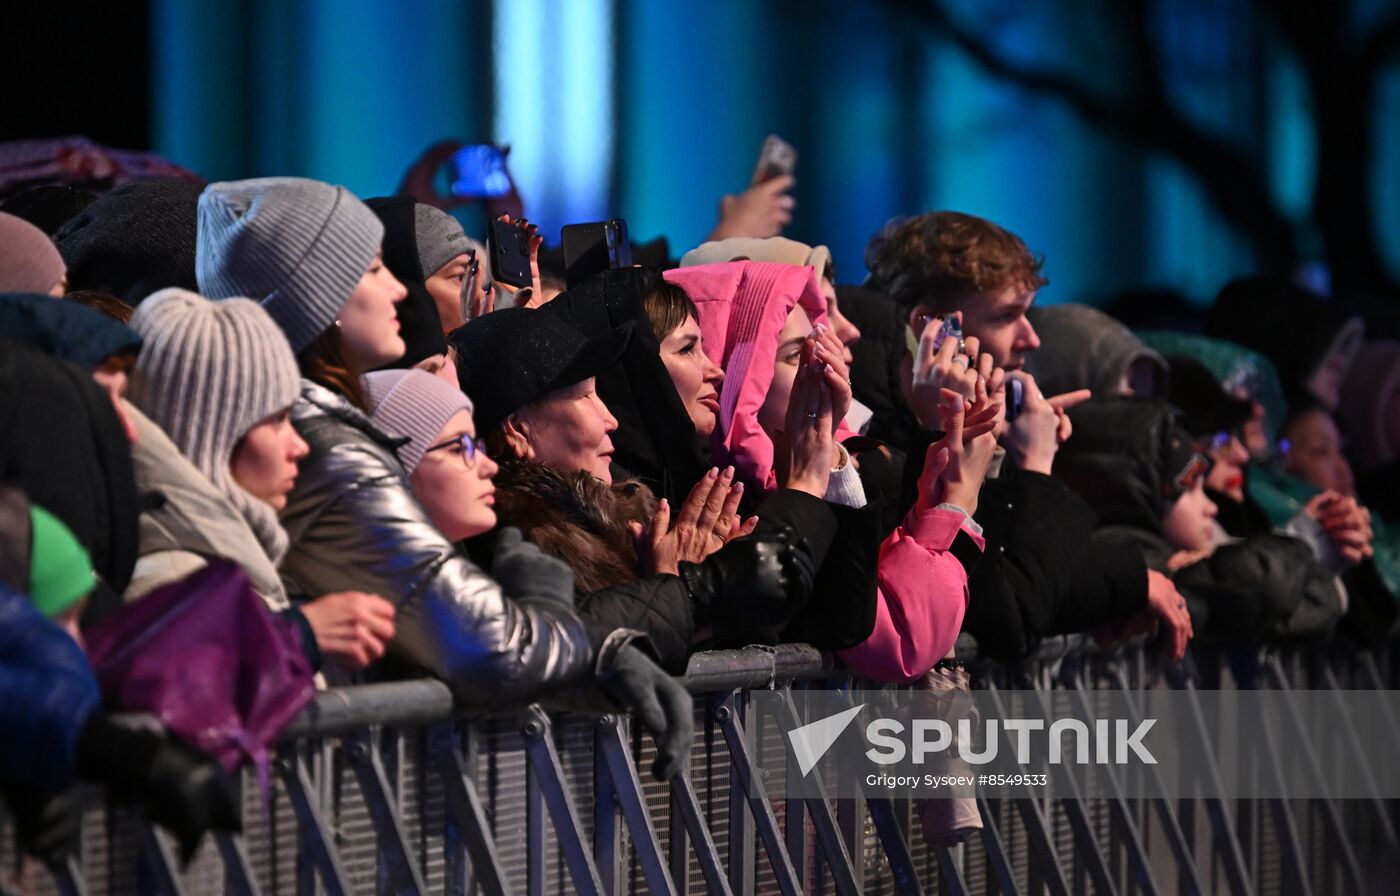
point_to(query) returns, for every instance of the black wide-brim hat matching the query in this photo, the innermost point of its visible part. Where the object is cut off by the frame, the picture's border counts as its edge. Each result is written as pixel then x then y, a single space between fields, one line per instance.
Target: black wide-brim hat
pixel 514 357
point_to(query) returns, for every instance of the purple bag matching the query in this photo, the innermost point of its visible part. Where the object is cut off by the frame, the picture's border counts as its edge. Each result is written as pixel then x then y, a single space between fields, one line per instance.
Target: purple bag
pixel 207 657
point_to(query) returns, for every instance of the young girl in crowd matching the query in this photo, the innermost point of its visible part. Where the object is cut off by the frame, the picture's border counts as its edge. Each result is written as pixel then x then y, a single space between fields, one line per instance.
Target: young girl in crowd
pixel 216 383
pixel 763 323
pixel 310 254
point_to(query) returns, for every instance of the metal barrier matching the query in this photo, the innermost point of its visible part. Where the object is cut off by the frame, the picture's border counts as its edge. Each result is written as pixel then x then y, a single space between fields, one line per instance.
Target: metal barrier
pixel 387 788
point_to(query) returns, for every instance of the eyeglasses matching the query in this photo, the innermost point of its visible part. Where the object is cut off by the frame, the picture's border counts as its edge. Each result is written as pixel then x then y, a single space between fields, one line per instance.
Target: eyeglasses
pixel 468 446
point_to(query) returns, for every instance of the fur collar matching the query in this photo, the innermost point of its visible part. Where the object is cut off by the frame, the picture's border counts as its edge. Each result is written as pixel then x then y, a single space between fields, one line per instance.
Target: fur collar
pixel 575 517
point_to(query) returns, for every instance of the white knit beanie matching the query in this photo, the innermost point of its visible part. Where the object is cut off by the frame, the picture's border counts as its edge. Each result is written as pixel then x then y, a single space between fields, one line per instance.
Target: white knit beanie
pixel 773 249
pixel 412 403
pixel 209 372
pixel 297 246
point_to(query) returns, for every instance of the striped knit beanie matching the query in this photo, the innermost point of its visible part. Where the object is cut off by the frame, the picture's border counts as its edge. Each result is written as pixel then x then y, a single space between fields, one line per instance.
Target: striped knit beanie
pixel 208 373
pixel 412 403
pixel 297 246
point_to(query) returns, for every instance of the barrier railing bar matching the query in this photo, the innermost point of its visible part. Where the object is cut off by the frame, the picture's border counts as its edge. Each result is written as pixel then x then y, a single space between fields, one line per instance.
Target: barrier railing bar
pixel 534 832
pixel 687 806
pixel 238 873
pixel 626 788
pixel 882 815
pixel 1227 843
pixel 833 849
pixel 464 804
pixel 607 848
pixel 1358 757
pixel 1037 827
pixel 951 883
pixel 549 773
pixel 396 863
pixel 292 769
pixel 1122 814
pixel 1285 827
pixel 752 793
pixel 160 861
pixel 995 849
pixel 68 876
pixel 1351 869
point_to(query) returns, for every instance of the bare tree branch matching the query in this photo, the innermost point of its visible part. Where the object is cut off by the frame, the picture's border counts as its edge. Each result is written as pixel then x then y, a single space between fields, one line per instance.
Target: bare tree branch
pixel 1232 180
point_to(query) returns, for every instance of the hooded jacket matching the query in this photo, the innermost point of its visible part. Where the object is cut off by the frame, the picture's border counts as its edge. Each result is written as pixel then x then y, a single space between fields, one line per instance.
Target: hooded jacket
pixel 47 693
pixel 656 441
pixel 1084 348
pixel 353 524
pixel 63 445
pixel 912 580
pixel 1266 587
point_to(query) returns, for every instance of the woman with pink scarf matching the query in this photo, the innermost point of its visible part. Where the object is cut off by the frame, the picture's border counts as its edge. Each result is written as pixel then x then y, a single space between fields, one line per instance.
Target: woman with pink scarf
pixel 759 323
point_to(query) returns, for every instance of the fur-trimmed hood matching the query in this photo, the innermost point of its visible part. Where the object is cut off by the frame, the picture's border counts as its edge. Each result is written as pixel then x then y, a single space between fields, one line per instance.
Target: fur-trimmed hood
pixel 575 517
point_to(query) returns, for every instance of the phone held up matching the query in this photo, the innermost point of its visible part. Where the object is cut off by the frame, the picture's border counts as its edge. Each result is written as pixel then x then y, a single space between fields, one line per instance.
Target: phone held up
pixel 590 249
pixel 776 158
pixel 479 171
pixel 509 245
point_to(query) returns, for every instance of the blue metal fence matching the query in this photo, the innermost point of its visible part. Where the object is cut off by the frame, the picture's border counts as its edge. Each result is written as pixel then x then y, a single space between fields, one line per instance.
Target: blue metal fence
pixel 388 788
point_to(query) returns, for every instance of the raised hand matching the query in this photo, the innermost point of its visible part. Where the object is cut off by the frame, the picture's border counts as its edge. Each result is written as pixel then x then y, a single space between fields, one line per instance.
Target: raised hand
pixel 803 455
pixel 707 519
pixel 531 296
pixel 763 210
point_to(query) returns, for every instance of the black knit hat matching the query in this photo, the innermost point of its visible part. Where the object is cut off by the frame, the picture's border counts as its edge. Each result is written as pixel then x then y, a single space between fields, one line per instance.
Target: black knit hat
pixel 48 206
pixel 1206 408
pixel 419 322
pixel 135 240
pixel 511 358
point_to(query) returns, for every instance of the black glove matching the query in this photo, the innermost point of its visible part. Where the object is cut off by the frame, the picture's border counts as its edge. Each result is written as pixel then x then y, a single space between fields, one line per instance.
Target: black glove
pixel 526 573
pixel 181 789
pixel 47 823
pixel 659 702
pixel 752 587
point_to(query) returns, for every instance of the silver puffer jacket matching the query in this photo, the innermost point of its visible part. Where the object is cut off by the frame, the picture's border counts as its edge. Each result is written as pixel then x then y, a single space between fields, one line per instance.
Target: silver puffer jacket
pixel 355 526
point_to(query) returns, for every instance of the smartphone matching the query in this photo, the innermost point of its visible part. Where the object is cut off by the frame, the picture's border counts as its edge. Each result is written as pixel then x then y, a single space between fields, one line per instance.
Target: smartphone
pixel 468 287
pixel 593 248
pixel 1015 396
pixel 480 171
pixel 951 326
pixel 509 245
pixel 776 158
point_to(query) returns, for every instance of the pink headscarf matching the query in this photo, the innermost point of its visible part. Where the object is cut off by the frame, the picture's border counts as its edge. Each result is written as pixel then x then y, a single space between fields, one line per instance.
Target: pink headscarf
pixel 743 308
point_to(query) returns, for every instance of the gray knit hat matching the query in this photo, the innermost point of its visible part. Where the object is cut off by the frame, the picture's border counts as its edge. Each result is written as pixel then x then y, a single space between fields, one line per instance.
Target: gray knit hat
pixel 208 372
pixel 412 403
pixel 440 238
pixel 297 246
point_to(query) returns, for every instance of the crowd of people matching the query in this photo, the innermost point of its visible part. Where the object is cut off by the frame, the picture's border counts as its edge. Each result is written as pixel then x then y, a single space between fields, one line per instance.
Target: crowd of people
pixel 565 491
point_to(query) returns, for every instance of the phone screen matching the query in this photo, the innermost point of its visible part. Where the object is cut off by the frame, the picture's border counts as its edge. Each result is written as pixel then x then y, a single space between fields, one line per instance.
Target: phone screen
pixel 479 170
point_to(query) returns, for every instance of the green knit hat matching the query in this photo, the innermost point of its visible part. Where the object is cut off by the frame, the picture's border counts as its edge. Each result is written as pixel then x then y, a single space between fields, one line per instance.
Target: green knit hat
pixel 60 572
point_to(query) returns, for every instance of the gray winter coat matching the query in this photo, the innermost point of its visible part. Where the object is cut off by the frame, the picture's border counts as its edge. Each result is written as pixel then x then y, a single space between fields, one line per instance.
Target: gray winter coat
pixel 354 525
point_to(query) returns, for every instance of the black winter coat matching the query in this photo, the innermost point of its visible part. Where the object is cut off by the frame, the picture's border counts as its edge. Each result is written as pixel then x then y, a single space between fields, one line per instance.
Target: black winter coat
pixel 1266 587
